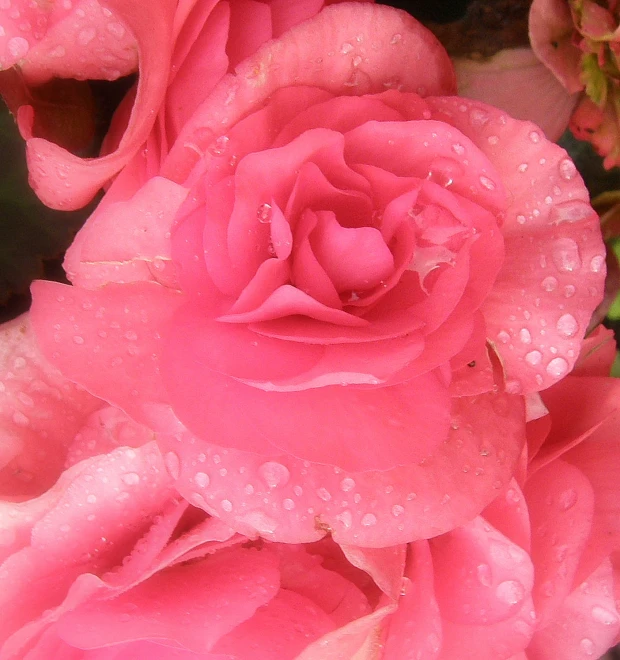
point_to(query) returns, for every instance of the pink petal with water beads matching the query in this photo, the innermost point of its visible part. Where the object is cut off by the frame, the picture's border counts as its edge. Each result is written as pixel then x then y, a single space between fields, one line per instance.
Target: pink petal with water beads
pixel 586 620
pixel 81 40
pixel 65 181
pixel 40 413
pixel 554 269
pixel 561 504
pixel 108 340
pixel 128 241
pixel 483 586
pixel 349 29
pixel 373 508
pixel 172 605
pixel 414 630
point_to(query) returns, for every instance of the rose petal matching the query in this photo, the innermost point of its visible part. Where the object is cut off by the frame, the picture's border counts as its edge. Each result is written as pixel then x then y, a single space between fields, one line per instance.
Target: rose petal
pixel 553 272
pixel 370 509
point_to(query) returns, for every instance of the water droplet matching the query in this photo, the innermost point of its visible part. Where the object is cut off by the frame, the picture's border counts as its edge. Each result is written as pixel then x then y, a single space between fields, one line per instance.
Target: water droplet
pixel 346 48
pixel 131 335
pixel 534 136
pixel 345 518
pixel 369 520
pixel 487 183
pixel 131 478
pixel 86 36
pixel 567 325
pixel 91 499
pixel 522 167
pixel 492 139
pixel 274 474
pixel 483 572
pixel 573 211
pixel 558 367
pixel 565 254
pixel 458 148
pixel 503 336
pixel 18 47
pixel 604 616
pixel 567 169
pixel 347 484
pixel 596 264
pixel 398 510
pixel 510 591
pixel 219 146
pixel 396 38
pixel 533 358
pixel 226 505
pixel 569 291
pixel 478 117
pixel 525 336
pixel 587 646
pixel 521 219
pixel 78 340
pixel 25 399
pixel 116 30
pixel 288 504
pixel 20 419
pixel 201 479
pixel 568 499
pixel 263 213
pixel 549 284
pixel 324 494
pixel 173 464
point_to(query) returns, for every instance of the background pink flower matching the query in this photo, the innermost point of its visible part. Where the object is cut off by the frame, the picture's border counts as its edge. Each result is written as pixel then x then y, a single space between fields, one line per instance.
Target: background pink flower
pixel 186 46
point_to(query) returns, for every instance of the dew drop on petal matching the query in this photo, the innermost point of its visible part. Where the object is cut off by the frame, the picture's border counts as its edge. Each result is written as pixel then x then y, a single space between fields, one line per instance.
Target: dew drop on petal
pixel 567 325
pixel 558 367
pixel 288 504
pixel 487 183
pixel 345 518
pixel 587 646
pixel 347 484
pixel 397 510
pixel 565 254
pixel 483 573
pixel 525 336
pixel 549 284
pixel 510 591
pixel 533 358
pixel 369 520
pixel 263 213
pixel 201 479
pixel 131 478
pixel 596 264
pixel 274 474
pixel 226 505
pixel 567 169
pixel 604 616
pixel 173 464
pixel 324 494
pixel 567 499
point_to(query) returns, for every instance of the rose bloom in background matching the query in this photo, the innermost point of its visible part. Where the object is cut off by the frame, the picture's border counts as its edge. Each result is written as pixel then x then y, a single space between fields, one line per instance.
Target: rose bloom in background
pixel 109 563
pixel 306 332
pixel 578 41
pixel 171 45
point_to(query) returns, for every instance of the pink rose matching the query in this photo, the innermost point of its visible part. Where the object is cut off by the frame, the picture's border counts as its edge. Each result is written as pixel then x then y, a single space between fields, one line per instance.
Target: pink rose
pixel 331 299
pixel 108 564
pixel 171 44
